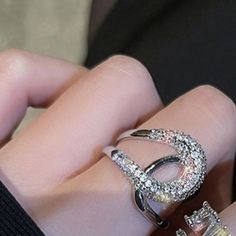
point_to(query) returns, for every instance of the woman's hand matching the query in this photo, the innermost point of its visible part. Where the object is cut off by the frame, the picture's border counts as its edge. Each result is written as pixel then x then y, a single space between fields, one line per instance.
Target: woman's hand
pixel 55 167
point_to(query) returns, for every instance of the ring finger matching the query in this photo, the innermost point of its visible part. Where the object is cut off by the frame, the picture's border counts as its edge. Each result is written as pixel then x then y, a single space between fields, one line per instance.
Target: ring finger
pixel 205 113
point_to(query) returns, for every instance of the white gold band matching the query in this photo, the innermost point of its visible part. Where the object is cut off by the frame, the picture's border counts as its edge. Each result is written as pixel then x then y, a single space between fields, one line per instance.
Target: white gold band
pixel 189 155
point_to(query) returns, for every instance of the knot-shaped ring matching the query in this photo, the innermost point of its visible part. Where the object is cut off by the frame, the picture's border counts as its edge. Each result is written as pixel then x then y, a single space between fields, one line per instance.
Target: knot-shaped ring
pixel 189 155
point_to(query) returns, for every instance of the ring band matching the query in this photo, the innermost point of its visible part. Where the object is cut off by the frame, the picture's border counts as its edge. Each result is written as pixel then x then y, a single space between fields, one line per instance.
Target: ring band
pixel 141 201
pixel 189 155
pixel 206 222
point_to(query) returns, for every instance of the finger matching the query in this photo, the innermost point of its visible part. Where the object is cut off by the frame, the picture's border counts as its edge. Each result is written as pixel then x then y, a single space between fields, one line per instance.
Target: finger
pixel 228 218
pixel 68 137
pixel 205 113
pixel 30 80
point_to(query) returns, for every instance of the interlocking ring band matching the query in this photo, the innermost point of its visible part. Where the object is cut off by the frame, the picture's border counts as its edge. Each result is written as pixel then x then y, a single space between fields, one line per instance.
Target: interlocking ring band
pixel 189 155
pixel 205 222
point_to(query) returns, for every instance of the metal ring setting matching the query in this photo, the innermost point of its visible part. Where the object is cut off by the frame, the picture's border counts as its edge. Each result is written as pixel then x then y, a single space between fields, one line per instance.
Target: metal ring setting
pixel 189 155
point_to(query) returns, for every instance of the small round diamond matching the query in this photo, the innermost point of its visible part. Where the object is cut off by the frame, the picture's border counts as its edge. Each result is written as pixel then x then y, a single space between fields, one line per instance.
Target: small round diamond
pixel 138 173
pixel 143 177
pixel 148 183
pixel 189 154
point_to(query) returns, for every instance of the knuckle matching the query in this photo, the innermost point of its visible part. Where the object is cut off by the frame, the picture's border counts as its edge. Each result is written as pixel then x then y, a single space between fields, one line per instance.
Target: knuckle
pixel 215 102
pixel 14 64
pixel 132 73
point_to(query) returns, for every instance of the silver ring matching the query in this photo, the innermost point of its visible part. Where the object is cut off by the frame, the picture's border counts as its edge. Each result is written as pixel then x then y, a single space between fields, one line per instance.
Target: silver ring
pixel 189 155
pixel 206 222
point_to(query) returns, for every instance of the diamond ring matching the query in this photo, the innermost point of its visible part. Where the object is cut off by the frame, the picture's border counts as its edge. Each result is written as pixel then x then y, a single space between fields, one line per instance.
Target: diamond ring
pixel 189 155
pixel 205 222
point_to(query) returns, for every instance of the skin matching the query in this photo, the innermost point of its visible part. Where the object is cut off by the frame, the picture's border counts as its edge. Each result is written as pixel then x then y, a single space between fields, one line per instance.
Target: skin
pixel 55 167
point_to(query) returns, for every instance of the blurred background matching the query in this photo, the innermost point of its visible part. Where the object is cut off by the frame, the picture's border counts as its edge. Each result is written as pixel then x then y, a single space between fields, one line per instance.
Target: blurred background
pixel 56 28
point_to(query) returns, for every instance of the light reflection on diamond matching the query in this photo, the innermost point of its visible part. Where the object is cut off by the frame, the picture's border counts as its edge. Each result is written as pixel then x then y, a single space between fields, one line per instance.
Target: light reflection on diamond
pixel 192 158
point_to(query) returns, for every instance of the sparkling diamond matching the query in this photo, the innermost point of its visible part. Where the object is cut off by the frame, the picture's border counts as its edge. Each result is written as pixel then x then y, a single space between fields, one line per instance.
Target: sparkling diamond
pixel 194 154
pixel 138 173
pixel 121 161
pixel 143 187
pixel 143 177
pixel 167 188
pixel 132 167
pixel 115 156
pixel 191 156
pixel 180 232
pixel 148 183
pixel 153 188
pixel 153 135
pixel 138 184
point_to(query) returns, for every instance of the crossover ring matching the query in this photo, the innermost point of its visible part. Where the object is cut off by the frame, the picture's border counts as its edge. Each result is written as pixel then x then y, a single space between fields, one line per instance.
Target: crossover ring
pixel 189 155
pixel 205 222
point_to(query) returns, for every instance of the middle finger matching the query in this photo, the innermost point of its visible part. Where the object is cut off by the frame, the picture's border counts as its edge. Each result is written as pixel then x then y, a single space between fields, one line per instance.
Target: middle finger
pixel 205 113
pixel 68 137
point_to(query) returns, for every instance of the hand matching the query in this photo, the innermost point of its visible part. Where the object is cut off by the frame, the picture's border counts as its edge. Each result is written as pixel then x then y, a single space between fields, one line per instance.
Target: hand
pixel 55 168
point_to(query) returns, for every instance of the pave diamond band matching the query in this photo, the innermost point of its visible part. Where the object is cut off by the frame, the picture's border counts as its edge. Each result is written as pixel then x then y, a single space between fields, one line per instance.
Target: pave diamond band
pixel 189 155
pixel 143 182
pixel 149 186
pixel 205 222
